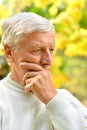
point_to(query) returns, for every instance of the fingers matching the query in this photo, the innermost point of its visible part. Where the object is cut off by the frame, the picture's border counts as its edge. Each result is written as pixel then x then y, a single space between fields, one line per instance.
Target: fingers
pixel 28 88
pixel 28 76
pixel 31 66
pixel 32 70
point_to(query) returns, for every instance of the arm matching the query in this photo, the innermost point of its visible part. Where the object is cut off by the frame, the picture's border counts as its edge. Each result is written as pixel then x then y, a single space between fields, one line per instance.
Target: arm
pixel 0 119
pixel 66 112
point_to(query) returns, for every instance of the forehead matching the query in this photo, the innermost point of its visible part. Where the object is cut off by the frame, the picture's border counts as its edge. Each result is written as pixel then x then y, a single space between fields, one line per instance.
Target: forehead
pixel 37 39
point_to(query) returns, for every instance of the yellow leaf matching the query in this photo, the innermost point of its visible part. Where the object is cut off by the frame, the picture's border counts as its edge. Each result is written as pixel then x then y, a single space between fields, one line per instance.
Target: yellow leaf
pixel 53 10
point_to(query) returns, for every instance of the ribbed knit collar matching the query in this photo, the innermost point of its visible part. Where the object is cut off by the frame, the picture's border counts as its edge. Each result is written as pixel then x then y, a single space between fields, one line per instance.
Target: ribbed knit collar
pixel 14 85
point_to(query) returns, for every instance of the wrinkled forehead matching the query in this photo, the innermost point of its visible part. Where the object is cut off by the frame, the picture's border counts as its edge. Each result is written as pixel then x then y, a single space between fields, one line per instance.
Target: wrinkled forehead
pixel 38 39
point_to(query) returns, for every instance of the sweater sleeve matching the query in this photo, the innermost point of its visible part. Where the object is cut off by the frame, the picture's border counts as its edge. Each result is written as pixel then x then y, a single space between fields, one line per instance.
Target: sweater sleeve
pixel 0 119
pixel 66 112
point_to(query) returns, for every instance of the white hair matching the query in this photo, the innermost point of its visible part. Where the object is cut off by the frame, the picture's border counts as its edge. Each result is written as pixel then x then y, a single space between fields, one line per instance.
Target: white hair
pixel 15 27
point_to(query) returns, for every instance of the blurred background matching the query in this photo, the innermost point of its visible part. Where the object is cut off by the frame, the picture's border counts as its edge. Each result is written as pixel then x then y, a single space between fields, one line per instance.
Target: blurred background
pixel 69 69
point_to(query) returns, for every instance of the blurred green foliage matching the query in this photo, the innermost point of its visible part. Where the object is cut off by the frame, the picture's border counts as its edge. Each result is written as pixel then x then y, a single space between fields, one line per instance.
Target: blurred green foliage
pixel 69 17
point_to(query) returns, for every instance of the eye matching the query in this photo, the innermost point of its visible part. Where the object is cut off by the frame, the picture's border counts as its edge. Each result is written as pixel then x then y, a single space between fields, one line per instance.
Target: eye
pixel 36 51
pixel 51 50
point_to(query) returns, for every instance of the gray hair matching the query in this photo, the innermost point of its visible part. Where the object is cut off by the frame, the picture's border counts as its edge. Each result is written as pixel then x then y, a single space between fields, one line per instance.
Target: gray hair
pixel 15 27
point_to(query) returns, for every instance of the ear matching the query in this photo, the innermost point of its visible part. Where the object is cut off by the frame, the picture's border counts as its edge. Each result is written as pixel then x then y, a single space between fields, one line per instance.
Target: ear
pixel 8 53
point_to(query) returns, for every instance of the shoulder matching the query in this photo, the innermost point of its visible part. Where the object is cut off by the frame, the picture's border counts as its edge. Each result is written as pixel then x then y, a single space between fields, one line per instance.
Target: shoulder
pixel 68 96
pixel 1 84
pixel 2 88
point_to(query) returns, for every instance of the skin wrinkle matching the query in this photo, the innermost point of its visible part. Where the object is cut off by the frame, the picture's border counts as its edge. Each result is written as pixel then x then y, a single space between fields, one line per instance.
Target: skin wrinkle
pixel 29 46
pixel 31 64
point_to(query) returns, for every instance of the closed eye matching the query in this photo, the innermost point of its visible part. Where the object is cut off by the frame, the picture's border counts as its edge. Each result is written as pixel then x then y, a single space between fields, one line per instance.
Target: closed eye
pixel 37 50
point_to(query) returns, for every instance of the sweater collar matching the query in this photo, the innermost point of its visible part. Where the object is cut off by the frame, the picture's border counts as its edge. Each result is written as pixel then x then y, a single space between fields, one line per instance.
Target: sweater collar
pixel 11 82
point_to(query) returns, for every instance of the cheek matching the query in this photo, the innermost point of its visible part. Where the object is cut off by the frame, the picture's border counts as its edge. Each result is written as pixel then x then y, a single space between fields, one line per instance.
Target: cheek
pixel 31 59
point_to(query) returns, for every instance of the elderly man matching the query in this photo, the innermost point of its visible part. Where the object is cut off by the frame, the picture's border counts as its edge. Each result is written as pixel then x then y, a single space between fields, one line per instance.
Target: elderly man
pixel 28 99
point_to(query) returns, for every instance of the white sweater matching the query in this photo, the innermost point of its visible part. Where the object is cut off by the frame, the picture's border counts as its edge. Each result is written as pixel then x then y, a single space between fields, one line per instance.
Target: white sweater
pixel 19 111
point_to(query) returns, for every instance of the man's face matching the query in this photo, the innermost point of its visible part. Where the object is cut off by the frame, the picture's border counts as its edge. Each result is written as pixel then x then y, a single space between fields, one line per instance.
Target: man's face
pixel 35 48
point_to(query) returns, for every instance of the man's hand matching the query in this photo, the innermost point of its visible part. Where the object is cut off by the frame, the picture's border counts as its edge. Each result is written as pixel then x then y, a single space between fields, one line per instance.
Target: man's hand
pixel 39 81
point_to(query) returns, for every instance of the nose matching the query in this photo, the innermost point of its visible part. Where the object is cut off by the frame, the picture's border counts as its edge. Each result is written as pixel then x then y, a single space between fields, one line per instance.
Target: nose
pixel 46 59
